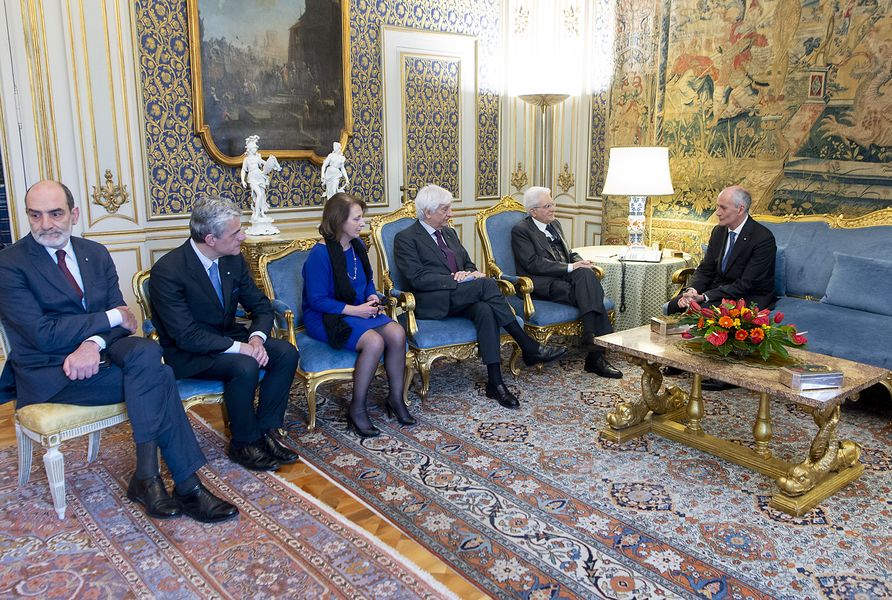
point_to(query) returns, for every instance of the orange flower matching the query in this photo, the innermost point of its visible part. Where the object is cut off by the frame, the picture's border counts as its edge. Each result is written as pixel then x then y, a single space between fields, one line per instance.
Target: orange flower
pixel 726 322
pixel 700 323
pixel 734 312
pixel 741 335
pixel 757 335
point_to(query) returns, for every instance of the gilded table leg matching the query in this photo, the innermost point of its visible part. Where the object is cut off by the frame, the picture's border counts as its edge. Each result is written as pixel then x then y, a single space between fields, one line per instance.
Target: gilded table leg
pixel 762 427
pixel 831 464
pixel 627 420
pixel 695 406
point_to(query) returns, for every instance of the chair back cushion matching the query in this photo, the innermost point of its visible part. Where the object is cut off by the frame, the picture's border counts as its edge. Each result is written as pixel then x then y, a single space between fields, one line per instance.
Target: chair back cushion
pixel 287 280
pixel 388 233
pixel 498 230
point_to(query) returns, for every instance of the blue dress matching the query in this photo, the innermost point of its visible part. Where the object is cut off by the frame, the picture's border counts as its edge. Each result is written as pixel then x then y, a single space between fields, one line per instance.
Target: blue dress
pixel 319 296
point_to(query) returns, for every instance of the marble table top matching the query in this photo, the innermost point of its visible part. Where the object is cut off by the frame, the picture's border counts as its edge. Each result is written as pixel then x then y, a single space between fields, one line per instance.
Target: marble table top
pixel 751 374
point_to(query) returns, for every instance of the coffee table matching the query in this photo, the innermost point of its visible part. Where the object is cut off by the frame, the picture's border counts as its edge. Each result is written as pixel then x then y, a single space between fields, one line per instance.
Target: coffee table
pixel 675 414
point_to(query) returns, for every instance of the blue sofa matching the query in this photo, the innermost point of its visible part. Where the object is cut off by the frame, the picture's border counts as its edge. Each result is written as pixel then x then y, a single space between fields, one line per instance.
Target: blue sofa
pixel 835 283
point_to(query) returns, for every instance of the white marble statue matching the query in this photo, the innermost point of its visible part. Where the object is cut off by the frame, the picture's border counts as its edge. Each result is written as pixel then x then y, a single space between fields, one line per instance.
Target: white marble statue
pixel 256 172
pixel 333 170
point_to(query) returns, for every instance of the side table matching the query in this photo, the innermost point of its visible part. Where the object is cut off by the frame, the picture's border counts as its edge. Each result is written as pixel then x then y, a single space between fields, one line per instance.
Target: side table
pixel 645 286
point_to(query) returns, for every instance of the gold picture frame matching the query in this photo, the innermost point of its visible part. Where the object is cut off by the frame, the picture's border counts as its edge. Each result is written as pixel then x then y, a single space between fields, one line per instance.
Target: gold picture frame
pixel 243 83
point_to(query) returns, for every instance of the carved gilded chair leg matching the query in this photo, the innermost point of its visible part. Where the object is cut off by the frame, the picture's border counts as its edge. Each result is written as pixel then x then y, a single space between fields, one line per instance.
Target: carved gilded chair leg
pixel 311 403
pixel 762 427
pixel 408 377
pixel 695 406
pixel 515 357
pixel 424 368
pixel 225 413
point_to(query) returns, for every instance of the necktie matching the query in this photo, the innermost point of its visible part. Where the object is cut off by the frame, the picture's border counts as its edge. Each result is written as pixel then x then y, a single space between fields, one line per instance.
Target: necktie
pixel 556 244
pixel 214 273
pixel 447 252
pixel 731 237
pixel 60 257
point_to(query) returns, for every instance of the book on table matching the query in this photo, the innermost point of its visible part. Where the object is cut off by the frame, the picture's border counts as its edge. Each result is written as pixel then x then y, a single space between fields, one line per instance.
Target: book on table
pixel 810 377
pixel 641 254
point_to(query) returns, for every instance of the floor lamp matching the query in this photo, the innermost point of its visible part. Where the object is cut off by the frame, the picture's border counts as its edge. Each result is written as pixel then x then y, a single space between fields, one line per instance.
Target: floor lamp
pixel 638 172
pixel 543 175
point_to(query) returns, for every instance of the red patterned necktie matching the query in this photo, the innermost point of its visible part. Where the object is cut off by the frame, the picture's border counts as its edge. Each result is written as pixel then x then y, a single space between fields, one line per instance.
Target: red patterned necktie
pixel 60 256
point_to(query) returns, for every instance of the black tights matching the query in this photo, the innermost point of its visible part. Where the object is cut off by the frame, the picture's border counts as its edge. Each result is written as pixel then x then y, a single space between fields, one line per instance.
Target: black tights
pixel 389 340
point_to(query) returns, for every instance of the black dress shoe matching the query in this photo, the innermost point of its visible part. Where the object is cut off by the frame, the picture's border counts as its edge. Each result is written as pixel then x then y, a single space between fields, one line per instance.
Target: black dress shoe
pixel 501 394
pixel 543 355
pixel 205 507
pixel 152 494
pixel 253 457
pixel 597 364
pixel 363 432
pixel 714 385
pixel 672 371
pixel 279 451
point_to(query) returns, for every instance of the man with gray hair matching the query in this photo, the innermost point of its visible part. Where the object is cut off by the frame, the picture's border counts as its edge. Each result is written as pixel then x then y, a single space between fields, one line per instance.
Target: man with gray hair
pixel 739 261
pixel 560 275
pixel 194 291
pixel 446 283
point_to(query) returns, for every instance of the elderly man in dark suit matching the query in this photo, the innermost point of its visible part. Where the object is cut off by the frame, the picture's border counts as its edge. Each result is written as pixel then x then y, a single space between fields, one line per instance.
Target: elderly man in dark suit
pixel 447 283
pixel 71 343
pixel 541 253
pixel 739 261
pixel 194 292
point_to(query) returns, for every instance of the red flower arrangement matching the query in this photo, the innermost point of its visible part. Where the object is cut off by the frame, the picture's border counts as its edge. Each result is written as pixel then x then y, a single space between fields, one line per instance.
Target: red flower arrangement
pixel 735 327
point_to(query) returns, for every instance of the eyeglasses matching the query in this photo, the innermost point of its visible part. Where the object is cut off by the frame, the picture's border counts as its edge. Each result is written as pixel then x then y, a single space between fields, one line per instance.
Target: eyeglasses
pixel 545 206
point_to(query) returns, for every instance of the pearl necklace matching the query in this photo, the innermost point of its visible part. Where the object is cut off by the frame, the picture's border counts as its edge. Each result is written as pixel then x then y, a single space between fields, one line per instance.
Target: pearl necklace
pixel 355 262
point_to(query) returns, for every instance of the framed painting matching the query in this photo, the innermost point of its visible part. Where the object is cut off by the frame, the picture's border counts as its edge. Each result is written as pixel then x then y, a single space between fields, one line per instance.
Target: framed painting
pixel 279 69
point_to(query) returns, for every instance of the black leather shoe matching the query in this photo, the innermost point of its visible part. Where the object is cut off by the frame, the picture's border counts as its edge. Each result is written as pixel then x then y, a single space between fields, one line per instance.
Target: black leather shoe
pixel 152 494
pixel 279 451
pixel 253 457
pixel 543 355
pixel 597 364
pixel 672 371
pixel 714 385
pixel 205 507
pixel 501 394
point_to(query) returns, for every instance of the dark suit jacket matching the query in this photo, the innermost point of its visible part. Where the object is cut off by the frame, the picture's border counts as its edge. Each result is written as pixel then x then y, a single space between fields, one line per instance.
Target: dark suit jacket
pixel 422 264
pixel 534 256
pixel 43 316
pixel 192 326
pixel 750 272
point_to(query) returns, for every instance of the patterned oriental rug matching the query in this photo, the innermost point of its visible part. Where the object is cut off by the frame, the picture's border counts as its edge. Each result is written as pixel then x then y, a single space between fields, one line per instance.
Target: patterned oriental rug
pixel 285 544
pixel 532 504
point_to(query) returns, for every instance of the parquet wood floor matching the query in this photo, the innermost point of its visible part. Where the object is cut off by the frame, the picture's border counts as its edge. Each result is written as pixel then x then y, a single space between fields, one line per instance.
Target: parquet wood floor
pixel 311 482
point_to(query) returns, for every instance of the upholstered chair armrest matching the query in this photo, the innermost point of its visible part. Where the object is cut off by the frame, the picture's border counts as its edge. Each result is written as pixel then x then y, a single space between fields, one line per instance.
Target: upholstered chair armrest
pixel 524 289
pixel 599 271
pixel 681 276
pixel 284 321
pixel 406 301
pixel 506 287
pixel 148 330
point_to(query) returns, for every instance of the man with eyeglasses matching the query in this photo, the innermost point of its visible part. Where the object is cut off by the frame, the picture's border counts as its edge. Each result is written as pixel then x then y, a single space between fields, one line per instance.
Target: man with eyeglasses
pixel 560 275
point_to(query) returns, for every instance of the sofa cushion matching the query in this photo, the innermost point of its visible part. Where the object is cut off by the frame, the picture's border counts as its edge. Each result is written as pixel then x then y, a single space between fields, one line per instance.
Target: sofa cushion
pixel 839 331
pixel 780 272
pixel 861 283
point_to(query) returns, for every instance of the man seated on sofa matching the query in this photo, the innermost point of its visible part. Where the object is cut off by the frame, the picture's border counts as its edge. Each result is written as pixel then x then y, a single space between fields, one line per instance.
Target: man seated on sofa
pixel 739 263
pixel 72 343
pixel 446 283
pixel 559 275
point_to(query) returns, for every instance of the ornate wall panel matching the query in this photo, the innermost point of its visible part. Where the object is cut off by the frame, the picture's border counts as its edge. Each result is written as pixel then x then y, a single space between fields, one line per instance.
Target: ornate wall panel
pixel 179 169
pixel 431 105
pixel 789 98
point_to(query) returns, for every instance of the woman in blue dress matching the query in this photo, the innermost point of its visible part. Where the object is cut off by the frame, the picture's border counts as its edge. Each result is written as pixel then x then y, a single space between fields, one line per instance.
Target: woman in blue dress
pixel 340 307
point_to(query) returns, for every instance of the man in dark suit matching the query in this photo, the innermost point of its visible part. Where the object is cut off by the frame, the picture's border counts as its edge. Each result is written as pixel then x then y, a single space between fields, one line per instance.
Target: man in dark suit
pixel 446 283
pixel 560 275
pixel 194 291
pixel 739 261
pixel 70 334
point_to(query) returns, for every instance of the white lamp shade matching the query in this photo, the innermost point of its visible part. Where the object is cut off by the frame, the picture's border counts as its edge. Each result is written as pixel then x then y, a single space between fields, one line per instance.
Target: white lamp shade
pixel 638 171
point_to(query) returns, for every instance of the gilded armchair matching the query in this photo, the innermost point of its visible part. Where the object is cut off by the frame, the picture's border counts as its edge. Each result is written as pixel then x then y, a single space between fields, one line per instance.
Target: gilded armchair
pixel 429 339
pixel 282 277
pixel 542 318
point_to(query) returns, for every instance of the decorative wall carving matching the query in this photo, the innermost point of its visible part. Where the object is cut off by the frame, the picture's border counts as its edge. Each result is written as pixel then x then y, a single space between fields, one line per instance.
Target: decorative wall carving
pixel 110 196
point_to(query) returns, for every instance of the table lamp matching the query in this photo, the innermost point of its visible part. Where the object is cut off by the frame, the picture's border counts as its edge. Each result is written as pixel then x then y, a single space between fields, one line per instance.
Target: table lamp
pixel 638 172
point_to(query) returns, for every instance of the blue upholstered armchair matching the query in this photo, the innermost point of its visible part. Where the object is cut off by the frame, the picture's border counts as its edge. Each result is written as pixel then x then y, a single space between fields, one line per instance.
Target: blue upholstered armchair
pixel 282 277
pixel 429 339
pixel 542 318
